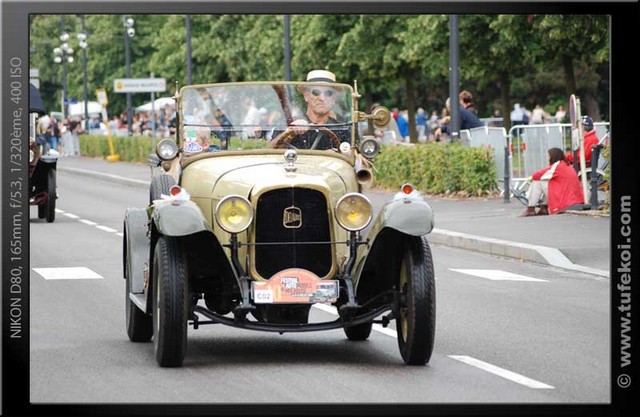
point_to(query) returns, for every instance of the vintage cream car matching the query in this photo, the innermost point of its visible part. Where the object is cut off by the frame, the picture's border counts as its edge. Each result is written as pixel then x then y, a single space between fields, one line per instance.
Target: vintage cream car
pixel 256 216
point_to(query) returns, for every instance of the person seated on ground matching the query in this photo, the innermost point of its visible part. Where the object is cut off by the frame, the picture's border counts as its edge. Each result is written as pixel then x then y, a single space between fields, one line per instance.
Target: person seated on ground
pixel 320 100
pixel 554 188
pixel 590 140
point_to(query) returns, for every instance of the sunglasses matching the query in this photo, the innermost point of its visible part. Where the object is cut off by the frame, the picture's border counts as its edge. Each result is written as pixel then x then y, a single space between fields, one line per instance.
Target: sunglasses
pixel 327 93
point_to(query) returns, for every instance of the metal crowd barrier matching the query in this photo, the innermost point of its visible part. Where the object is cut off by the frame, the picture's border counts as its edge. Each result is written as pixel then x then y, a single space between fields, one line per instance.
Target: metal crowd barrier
pixel 494 138
pixel 523 150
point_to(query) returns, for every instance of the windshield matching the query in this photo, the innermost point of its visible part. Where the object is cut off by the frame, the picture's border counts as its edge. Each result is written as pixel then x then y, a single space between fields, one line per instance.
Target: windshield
pixel 251 115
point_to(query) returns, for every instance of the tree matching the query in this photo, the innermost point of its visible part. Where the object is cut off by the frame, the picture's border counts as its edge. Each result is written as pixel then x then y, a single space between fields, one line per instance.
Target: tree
pixel 579 44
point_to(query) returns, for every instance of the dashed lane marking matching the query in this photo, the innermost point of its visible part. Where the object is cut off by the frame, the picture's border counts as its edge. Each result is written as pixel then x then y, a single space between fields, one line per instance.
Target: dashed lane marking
pixel 497 275
pixel 89 222
pixel 68 273
pixel 512 376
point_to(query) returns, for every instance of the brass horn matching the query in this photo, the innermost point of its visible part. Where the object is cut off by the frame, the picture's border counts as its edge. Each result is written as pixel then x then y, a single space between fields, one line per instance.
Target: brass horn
pixel 363 170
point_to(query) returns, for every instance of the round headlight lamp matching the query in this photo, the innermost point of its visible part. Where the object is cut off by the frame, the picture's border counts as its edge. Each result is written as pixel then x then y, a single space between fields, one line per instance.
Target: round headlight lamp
pixel 354 212
pixel 234 214
pixel 167 149
pixel 369 148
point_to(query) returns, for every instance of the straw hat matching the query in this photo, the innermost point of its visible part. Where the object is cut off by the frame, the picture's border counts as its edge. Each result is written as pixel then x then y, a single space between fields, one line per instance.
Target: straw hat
pixel 321 76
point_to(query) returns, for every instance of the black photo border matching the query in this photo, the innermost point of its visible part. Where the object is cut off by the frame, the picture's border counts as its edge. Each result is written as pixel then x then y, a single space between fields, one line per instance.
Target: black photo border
pixel 15 209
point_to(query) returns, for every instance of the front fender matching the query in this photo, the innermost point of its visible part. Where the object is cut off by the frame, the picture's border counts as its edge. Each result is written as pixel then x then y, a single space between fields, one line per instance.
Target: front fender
pixel 178 218
pixel 412 217
pixel 399 222
pixel 136 247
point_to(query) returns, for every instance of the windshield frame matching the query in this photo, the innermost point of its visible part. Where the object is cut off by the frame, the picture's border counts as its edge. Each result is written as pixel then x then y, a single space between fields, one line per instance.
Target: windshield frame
pixel 285 98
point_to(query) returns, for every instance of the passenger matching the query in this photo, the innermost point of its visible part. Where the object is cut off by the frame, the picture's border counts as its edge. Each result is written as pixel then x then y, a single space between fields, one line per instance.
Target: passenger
pixel 554 188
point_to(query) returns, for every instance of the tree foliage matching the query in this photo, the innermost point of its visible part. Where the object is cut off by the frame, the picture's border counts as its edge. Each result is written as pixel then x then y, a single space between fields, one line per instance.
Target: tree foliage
pixel 398 60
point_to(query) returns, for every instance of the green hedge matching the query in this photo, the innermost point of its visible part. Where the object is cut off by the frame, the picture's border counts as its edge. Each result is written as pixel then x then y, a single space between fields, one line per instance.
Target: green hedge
pixel 437 168
pixel 434 168
pixel 137 148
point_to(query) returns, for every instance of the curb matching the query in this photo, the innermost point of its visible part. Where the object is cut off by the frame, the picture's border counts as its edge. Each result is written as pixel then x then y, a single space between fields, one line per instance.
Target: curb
pixel 525 251
pixel 498 247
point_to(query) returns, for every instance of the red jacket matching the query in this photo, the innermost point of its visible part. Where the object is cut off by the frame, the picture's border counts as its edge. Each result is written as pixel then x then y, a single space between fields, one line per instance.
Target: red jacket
pixel 564 186
pixel 590 139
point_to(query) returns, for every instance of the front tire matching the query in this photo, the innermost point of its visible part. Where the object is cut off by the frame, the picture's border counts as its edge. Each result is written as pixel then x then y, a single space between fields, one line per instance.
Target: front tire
pixel 170 302
pixel 416 317
pixel 50 204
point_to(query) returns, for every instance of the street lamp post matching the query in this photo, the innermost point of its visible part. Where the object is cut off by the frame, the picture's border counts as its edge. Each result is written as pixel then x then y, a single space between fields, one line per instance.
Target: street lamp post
pixel 63 54
pixel 129 32
pixel 82 39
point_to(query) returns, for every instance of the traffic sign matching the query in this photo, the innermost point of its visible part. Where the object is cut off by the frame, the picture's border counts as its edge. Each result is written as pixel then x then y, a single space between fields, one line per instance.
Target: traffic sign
pixel 139 85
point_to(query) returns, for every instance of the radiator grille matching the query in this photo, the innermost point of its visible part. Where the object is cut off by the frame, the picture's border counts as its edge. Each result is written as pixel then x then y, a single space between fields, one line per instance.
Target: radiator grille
pixel 312 227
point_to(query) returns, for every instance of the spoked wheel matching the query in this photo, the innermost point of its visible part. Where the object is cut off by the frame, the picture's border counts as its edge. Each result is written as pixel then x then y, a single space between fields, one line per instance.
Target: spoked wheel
pixel 416 318
pixel 50 204
pixel 139 324
pixel 170 302
pixel 358 332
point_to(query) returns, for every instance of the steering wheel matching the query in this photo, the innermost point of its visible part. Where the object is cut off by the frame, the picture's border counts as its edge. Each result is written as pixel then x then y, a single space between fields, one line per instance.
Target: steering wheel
pixel 288 136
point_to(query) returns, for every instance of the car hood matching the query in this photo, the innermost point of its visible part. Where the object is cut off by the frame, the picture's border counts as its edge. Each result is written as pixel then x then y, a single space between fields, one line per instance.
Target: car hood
pixel 249 175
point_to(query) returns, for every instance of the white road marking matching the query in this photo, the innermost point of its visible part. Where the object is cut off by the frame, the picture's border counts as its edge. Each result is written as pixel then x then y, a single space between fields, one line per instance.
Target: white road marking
pixel 106 229
pixel 497 275
pixel 68 273
pixel 90 223
pixel 377 327
pixel 512 376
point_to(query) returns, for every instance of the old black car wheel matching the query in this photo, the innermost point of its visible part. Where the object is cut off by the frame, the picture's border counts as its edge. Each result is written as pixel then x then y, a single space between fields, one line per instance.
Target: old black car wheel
pixel 416 317
pixel 170 302
pixel 160 184
pixel 139 324
pixel 358 332
pixel 50 204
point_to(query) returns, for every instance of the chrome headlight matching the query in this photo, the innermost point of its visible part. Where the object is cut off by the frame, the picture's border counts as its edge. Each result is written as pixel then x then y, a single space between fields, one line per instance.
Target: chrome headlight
pixel 234 214
pixel 167 149
pixel 369 148
pixel 354 212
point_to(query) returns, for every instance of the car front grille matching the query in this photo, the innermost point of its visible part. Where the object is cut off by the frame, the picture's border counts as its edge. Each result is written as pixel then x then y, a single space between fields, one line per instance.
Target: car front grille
pixel 288 216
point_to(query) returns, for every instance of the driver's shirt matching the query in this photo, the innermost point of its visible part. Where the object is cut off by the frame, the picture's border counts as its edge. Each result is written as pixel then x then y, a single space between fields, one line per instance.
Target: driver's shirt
pixel 305 140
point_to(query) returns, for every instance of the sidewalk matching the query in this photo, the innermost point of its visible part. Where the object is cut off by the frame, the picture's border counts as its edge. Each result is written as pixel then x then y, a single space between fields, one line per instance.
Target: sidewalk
pixel 578 241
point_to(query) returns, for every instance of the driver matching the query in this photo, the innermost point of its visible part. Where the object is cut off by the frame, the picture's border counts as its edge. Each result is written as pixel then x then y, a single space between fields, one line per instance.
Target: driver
pixel 320 100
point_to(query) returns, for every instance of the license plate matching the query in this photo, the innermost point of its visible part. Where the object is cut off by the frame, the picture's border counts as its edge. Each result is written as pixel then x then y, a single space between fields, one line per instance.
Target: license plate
pixel 295 286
